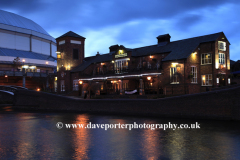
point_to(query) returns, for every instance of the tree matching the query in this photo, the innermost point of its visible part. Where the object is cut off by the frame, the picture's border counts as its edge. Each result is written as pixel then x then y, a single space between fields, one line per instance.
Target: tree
pixel 16 63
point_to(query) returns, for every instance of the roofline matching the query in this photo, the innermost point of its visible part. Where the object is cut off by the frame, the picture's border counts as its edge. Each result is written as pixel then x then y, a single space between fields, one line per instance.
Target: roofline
pixel 27 19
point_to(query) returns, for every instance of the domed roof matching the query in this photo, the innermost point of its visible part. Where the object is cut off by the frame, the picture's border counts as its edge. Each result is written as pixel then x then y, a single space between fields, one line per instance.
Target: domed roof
pixel 15 20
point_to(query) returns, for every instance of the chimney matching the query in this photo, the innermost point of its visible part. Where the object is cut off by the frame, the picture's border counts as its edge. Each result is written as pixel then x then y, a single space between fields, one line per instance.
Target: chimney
pixel 97 54
pixel 164 38
pixel 114 48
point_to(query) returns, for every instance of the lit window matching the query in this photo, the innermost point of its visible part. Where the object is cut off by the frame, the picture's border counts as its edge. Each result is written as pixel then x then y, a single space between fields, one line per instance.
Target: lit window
pixel 206 58
pixel 221 58
pixel 217 80
pixel 194 74
pixel 222 46
pixel 121 66
pixel 229 81
pixel 207 80
pixel 174 76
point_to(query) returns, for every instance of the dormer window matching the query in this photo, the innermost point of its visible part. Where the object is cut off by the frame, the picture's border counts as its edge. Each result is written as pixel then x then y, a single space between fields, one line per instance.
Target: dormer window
pixel 222 46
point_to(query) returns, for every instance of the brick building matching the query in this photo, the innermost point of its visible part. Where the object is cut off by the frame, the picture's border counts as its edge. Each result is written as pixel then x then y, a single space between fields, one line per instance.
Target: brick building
pixel 180 67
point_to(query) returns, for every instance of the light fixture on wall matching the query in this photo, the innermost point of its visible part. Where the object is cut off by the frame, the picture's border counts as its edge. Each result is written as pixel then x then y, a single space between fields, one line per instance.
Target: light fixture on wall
pixel 149 78
pixel 151 56
pixel 80 82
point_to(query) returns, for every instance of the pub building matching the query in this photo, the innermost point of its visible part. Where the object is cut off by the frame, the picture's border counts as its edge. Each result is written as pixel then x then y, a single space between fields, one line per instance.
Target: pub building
pixel 170 68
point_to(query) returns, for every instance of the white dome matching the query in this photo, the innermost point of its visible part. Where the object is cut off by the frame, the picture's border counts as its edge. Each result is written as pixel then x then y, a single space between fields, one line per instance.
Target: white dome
pixel 14 22
pixel 19 21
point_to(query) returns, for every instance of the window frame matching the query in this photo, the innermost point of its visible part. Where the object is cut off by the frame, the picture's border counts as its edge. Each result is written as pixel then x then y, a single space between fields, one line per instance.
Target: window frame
pixel 221 57
pixel 173 76
pixel 121 66
pixel 75 53
pixel 203 58
pixel 224 45
pixel 207 80
pixel 75 85
pixel 194 73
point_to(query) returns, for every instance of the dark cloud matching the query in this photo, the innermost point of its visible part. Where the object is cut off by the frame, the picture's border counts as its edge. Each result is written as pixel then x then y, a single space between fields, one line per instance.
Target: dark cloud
pixel 186 22
pixel 23 6
pixel 95 14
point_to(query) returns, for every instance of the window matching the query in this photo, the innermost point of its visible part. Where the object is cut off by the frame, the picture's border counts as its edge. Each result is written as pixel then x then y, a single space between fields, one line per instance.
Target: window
pixel 206 58
pixel 207 80
pixel 222 46
pixel 61 42
pixel 75 85
pixel 121 66
pixel 174 76
pixel 229 81
pixel 62 85
pixel 125 86
pixel 149 65
pixel 75 53
pixel 221 58
pixel 194 74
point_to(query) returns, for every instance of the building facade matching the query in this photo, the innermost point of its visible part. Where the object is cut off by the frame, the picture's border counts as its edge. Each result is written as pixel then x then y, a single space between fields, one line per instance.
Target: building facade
pixel 27 53
pixel 171 68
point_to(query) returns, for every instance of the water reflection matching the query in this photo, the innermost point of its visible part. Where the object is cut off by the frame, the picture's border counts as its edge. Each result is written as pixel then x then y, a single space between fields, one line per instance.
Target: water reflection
pixel 81 138
pixel 35 136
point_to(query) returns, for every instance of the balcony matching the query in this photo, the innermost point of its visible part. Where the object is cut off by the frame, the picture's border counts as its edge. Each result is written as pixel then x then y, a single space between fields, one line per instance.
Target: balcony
pixel 20 74
pixel 128 71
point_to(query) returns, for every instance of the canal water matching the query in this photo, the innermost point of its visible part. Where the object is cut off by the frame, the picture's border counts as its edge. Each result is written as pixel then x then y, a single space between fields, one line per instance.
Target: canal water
pixel 31 135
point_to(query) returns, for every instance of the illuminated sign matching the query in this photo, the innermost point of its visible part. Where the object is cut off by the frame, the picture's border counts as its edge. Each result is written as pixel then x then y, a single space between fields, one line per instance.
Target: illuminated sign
pixel 121 55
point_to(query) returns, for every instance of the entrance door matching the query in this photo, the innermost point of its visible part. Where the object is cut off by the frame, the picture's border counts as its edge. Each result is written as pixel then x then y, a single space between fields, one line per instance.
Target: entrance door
pixel 222 82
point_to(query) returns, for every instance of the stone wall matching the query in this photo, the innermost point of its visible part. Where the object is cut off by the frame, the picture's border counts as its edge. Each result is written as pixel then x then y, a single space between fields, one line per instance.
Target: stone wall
pixel 222 104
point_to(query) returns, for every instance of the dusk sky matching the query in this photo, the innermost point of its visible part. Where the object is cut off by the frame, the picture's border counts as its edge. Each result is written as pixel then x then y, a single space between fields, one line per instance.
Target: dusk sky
pixel 132 23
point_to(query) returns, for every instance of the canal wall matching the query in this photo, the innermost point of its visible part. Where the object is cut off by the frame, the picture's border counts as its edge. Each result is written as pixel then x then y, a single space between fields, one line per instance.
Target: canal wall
pixel 220 104
pixel 6 97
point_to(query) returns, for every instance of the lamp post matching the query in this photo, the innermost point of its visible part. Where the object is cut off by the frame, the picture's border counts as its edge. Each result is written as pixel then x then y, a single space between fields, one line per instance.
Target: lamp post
pixel 80 88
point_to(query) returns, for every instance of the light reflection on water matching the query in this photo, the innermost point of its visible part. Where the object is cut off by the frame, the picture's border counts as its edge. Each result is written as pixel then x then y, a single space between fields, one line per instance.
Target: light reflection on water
pixel 35 136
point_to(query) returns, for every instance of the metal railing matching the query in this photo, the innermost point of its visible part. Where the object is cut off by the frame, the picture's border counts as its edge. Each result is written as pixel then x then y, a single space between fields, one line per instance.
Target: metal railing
pixel 20 74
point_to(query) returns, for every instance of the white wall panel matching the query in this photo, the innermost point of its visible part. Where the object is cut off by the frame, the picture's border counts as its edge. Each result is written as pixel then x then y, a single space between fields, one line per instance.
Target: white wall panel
pixel 46 48
pixel 22 42
pixel 36 45
pixel 7 40
pixel 54 49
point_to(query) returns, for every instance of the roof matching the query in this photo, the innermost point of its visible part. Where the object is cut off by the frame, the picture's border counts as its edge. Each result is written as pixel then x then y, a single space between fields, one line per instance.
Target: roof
pixel 181 49
pixel 94 59
pixel 236 72
pixel 177 49
pixel 25 54
pixel 71 34
pixel 15 20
